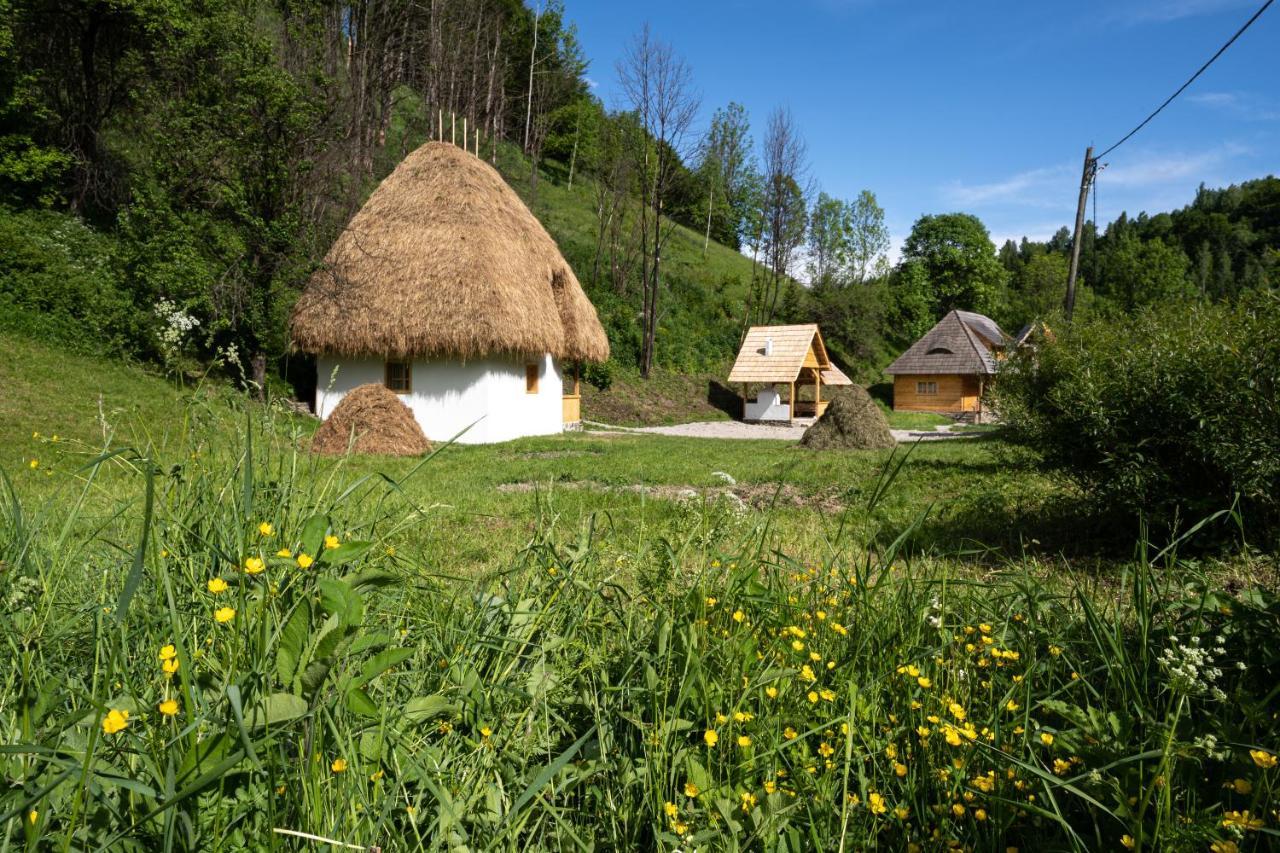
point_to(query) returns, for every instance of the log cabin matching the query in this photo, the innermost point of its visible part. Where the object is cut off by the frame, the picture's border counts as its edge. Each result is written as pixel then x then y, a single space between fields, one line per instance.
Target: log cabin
pixel 949 369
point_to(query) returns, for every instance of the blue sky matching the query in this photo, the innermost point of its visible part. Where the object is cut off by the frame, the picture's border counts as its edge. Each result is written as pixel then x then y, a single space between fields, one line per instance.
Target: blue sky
pixel 980 107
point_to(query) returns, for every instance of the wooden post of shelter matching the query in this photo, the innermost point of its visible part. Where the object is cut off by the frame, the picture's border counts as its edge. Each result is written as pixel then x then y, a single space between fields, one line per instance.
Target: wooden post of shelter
pixel 817 392
pixel 791 407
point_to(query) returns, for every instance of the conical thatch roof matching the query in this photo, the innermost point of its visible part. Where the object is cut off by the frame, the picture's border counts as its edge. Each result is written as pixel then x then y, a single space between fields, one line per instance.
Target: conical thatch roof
pixel 370 419
pixel 444 259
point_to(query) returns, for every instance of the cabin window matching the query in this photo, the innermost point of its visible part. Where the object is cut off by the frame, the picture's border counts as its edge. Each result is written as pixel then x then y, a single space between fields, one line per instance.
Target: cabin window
pixel 531 379
pixel 399 377
pixel 925 388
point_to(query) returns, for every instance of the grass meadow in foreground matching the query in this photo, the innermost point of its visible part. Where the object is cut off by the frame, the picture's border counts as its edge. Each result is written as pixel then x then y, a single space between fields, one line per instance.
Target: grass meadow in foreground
pixel 215 638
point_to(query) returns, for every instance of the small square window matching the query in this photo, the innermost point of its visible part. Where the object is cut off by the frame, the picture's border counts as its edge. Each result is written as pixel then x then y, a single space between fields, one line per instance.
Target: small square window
pixel 531 379
pixel 399 377
pixel 924 388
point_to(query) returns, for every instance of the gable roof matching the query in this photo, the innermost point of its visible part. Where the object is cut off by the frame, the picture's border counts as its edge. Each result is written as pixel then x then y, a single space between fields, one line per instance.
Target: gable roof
pixel 790 346
pixel 445 259
pixel 960 343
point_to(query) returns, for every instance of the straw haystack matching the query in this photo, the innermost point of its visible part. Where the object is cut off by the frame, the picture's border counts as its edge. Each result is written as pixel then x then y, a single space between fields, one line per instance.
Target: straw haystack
pixel 370 419
pixel 852 422
pixel 446 288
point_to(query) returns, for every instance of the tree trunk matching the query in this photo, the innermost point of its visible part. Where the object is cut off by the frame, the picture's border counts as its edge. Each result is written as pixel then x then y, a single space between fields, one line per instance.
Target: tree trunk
pixel 258 367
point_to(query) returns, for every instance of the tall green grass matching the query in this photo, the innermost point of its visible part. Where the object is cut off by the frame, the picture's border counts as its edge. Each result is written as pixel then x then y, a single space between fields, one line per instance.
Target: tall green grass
pixel 697 689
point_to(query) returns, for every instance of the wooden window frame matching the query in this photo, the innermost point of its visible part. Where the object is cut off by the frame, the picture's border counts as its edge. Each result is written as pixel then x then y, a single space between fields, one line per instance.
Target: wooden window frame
pixel 408 376
pixel 532 373
pixel 926 388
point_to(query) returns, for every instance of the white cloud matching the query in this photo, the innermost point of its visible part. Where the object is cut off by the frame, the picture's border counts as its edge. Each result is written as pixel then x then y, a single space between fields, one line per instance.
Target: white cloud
pixel 1162 11
pixel 1243 105
pixel 1148 170
pixel 1027 187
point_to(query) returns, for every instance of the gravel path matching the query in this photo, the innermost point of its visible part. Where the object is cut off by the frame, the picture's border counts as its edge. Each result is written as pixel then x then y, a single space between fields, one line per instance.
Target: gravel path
pixel 793 432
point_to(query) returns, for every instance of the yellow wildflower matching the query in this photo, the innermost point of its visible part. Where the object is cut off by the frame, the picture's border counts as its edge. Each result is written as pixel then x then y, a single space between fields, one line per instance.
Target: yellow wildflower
pixel 254 565
pixel 1055 651
pixel 331 542
pixel 925 682
pixel 1241 786
pixel 797 645
pixel 876 803
pixel 485 732
pixel 690 789
pixel 711 602
pixel 305 561
pixel 339 765
pixel 710 737
pixel 744 741
pixel 1012 705
pixel 958 810
pixel 266 528
pixel 216 585
pixel 979 814
pixel 957 710
pixel 739 616
pixel 1046 738
pixel 169 707
pixel 1243 820
pixel 1262 758
pixel 899 768
pixel 1224 847
pixel 812 696
pixel 115 721
pixel 170 666
pixel 284 552
pixel 789 733
pixel 748 800
pixel 168 652
pixel 671 809
pixel 224 614
pixel 770 786
pixel 827 695
pixel 901 812
pixel 771 692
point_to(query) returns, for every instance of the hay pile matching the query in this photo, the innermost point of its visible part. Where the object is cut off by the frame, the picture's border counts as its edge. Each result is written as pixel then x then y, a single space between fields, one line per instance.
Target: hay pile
pixel 383 426
pixel 852 422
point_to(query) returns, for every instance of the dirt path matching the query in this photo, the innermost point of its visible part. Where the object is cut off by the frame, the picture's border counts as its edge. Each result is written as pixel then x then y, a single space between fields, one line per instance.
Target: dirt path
pixel 793 432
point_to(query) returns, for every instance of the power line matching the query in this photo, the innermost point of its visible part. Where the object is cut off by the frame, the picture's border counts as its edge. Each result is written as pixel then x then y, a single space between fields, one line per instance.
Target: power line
pixel 1190 80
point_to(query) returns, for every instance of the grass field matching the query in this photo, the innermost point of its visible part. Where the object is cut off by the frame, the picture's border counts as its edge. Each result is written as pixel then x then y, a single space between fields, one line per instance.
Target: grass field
pixel 590 641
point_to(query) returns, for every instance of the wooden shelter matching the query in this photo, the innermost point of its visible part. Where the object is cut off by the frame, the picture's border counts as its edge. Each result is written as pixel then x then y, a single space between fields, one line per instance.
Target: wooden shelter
pixel 947 370
pixel 447 290
pixel 777 356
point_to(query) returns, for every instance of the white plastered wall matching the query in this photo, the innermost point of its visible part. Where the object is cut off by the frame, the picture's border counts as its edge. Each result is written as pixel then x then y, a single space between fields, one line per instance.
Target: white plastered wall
pixel 449 396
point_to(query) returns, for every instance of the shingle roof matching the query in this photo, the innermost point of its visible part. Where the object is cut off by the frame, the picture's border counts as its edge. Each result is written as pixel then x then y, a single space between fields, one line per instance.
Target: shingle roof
pixel 960 343
pixel 789 346
pixel 835 376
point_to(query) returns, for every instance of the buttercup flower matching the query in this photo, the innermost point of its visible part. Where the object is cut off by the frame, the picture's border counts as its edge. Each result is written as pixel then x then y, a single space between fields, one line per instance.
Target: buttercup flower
pixel 115 721
pixel 331 542
pixel 254 565
pixel 1262 758
pixel 224 614
pixel 339 765
pixel 710 737
pixel 305 561
pixel 266 528
pixel 169 707
pixel 216 585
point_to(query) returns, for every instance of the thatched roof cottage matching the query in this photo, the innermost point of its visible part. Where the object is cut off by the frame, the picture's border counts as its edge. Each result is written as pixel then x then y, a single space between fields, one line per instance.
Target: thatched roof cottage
pixel 947 370
pixel 445 288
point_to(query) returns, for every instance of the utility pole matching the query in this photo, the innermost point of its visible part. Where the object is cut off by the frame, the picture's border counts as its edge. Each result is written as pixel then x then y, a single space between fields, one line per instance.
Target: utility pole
pixel 1090 169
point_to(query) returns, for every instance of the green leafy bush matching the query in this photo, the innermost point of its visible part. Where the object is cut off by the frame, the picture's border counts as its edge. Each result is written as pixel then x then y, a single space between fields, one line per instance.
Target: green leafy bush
pixel 59 280
pixel 1173 414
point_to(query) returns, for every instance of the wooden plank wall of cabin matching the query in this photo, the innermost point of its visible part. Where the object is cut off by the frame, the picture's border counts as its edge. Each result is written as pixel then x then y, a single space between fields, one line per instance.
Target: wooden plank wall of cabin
pixel 956 393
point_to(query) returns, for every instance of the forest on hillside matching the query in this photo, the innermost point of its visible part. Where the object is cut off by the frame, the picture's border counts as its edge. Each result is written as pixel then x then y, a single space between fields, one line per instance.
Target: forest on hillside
pixel 171 172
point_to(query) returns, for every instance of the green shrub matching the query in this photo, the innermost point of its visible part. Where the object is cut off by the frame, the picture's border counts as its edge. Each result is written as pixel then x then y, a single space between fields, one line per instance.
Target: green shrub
pixel 1173 414
pixel 59 280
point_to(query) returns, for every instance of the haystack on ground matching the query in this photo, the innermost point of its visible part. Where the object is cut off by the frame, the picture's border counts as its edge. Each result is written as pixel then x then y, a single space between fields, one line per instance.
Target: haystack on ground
pixel 852 422
pixel 445 288
pixel 380 423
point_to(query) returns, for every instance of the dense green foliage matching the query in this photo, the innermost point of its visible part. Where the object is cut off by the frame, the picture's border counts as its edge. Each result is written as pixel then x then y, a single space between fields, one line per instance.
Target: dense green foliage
pixel 1175 413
